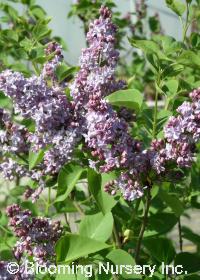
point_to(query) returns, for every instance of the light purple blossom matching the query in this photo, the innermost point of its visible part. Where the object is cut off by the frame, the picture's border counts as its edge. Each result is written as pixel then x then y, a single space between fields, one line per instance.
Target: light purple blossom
pixel 181 133
pixel 37 235
pixel 106 135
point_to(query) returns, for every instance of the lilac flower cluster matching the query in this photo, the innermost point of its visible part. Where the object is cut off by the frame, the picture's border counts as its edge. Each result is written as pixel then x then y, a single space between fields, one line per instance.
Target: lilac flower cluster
pixel 55 123
pixel 181 133
pixel 13 139
pixel 96 78
pixel 37 236
pixel 14 143
pixel 37 239
pixel 106 134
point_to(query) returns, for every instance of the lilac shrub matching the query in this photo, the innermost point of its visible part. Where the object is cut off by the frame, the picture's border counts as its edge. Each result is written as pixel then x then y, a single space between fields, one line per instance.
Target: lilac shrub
pixel 60 124
pixel 66 131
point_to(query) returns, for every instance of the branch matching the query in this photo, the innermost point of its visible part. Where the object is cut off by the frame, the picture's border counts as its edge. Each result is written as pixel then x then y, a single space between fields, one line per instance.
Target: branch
pixel 144 224
pixel 180 235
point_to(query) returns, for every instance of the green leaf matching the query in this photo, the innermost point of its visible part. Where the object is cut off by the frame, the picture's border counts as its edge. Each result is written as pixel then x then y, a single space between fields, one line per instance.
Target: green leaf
pixel 98 226
pixel 191 277
pixel 168 43
pixel 195 40
pixel 121 257
pixel 173 202
pixel 190 235
pixel 189 58
pixel 65 206
pixel 171 87
pixel 190 262
pixel 162 118
pixel 9 35
pixel 161 249
pixel 11 12
pixel 35 158
pixel 130 98
pixel 149 47
pixel 32 207
pixel 173 70
pixel 105 202
pixel 64 71
pixel 27 44
pixel 154 24
pixel 41 30
pixel 161 223
pixel 4 100
pixel 71 247
pixel 37 11
pixel 19 67
pixel 177 6
pixel 67 179
pixel 17 191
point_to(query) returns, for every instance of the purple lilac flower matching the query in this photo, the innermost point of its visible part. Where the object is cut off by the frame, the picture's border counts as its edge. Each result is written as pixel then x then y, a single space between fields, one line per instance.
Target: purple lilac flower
pixel 37 235
pixel 181 133
pixel 55 121
pixel 97 74
pixel 11 169
pixel 106 135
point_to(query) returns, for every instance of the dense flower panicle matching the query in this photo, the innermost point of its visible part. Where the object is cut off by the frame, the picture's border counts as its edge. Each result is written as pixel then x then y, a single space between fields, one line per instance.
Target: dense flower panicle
pixel 37 235
pixel 11 170
pixel 108 138
pixel 126 114
pixel 55 120
pixel 106 134
pixel 181 133
pixel 63 146
pixel 98 61
pixel 48 107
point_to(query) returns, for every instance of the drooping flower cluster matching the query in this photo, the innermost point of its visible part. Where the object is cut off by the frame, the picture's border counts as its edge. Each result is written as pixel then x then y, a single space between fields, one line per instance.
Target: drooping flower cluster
pixel 106 135
pixel 48 107
pixel 37 236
